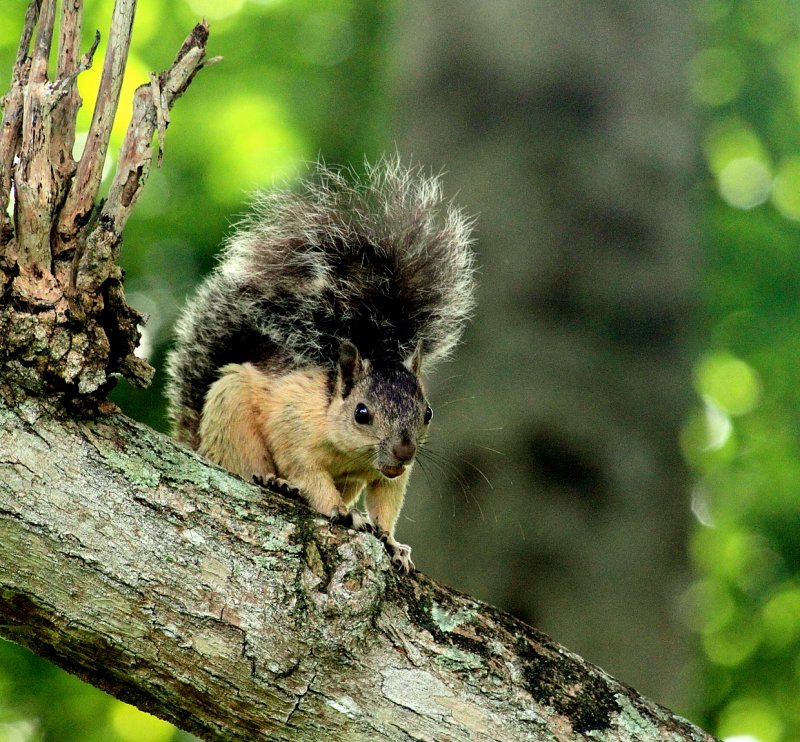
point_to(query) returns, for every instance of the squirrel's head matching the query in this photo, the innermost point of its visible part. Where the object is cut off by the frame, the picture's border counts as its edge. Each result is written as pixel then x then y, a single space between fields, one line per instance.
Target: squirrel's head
pixel 380 415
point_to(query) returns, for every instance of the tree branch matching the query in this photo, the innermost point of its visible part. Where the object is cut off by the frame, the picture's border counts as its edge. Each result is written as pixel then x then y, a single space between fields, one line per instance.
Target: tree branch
pixel 65 329
pixel 44 38
pixel 129 561
pixel 151 105
pixel 34 180
pixel 69 66
pixel 83 192
pixel 12 119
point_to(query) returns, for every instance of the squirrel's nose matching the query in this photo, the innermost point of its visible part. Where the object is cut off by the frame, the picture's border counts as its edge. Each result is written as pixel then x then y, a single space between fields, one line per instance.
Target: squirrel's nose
pixel 404 450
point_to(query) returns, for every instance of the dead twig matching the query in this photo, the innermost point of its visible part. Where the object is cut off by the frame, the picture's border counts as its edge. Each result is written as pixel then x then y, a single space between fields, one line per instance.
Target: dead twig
pixel 86 183
pixel 12 118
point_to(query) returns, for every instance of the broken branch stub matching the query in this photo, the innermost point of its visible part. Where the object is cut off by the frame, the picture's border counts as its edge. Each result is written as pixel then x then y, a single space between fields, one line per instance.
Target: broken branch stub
pixel 66 331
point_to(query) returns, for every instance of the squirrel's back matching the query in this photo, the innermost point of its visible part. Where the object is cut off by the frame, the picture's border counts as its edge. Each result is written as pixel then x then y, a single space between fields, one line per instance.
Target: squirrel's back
pixel 382 262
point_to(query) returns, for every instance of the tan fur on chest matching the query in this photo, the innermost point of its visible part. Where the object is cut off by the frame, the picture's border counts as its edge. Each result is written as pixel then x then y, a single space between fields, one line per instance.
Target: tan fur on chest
pixel 257 423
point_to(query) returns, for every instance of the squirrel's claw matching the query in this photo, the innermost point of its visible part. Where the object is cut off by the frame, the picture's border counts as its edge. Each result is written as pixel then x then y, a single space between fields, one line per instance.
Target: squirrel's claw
pixel 369 528
pixel 400 554
pixel 277 485
pixel 352 518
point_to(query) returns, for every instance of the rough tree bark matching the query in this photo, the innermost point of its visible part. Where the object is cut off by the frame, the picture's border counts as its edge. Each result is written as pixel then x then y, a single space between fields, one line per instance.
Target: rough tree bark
pixel 131 562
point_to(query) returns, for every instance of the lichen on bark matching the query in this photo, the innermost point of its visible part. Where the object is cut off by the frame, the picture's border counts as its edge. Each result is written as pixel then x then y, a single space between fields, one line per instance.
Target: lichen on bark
pixel 205 600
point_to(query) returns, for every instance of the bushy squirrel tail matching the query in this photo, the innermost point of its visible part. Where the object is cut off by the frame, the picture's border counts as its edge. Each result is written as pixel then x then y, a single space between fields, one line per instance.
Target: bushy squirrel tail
pixel 379 260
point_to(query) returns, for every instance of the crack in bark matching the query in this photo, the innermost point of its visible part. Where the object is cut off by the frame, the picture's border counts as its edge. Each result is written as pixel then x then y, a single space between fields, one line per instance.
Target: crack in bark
pixel 300 699
pixel 9 462
pixel 248 657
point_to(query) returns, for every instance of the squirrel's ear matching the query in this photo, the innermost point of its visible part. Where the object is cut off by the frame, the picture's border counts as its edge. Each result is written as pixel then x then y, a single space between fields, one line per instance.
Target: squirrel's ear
pixel 351 367
pixel 414 363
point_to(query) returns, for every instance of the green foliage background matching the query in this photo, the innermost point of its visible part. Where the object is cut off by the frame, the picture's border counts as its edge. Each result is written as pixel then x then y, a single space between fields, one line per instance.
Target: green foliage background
pixel 744 441
pixel 309 76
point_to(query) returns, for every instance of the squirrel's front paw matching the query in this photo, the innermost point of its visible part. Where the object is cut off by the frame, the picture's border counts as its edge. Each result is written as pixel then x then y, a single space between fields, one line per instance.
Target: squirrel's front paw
pixel 400 554
pixel 352 518
pixel 277 485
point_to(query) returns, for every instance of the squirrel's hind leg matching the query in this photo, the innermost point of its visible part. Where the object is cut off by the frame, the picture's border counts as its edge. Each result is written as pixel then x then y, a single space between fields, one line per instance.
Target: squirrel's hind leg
pixel 230 432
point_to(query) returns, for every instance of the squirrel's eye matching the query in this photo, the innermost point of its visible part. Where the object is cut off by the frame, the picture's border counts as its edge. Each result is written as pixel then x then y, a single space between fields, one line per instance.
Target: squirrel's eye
pixel 362 414
pixel 428 414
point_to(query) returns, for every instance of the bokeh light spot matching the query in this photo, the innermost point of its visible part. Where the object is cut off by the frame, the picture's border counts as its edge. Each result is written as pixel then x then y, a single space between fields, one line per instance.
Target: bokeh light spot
pixel 707 437
pixel 764 21
pixel 730 140
pixel 730 383
pixel 732 645
pixel 20 730
pixel 745 182
pixel 750 717
pixel 781 618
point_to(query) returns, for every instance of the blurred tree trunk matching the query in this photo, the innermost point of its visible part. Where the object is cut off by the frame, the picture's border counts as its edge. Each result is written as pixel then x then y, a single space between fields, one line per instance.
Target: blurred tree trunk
pixel 564 126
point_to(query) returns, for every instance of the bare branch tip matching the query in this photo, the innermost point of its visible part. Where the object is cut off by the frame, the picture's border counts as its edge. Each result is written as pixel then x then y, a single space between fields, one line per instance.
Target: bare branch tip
pixel 88 57
pixel 201 31
pixel 31 17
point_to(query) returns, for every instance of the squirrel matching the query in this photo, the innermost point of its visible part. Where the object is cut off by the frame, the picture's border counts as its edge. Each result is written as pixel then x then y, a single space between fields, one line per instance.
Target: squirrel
pixel 298 362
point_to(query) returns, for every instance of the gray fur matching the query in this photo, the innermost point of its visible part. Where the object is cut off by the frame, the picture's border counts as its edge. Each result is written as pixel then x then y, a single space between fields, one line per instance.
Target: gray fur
pixel 381 261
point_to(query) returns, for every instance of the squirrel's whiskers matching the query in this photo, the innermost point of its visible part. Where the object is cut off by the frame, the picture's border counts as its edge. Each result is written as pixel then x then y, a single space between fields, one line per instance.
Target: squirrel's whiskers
pixel 450 470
